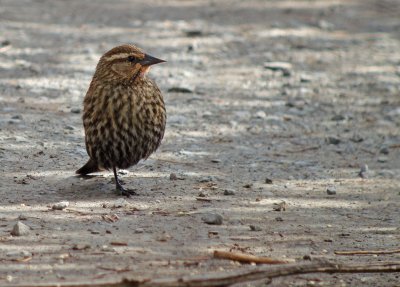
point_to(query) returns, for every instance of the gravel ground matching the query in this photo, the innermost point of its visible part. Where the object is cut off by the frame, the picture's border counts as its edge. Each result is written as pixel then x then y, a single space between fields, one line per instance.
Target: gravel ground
pixel 319 130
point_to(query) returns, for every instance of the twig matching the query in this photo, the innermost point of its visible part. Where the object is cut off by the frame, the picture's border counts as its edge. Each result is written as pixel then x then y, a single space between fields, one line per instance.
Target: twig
pixel 247 258
pixel 5 48
pixel 367 151
pixel 366 252
pixel 203 199
pixel 118 270
pixel 83 213
pixel 238 276
pixel 303 149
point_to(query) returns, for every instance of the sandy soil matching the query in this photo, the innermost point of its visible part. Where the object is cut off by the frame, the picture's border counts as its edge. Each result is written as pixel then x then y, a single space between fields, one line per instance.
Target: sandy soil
pixel 268 136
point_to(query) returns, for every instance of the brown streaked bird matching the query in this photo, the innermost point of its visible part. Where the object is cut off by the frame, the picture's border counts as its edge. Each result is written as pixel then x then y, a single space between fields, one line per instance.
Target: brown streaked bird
pixel 124 114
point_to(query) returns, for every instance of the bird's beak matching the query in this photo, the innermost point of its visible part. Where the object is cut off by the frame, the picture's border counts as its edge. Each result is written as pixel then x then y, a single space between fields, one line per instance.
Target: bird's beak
pixel 150 60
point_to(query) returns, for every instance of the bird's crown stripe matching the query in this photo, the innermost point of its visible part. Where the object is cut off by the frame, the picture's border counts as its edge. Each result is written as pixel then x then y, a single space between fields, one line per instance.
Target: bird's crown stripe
pixel 117 56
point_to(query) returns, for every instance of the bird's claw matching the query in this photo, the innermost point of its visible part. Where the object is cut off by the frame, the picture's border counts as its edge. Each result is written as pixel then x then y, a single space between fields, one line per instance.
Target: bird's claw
pixel 125 191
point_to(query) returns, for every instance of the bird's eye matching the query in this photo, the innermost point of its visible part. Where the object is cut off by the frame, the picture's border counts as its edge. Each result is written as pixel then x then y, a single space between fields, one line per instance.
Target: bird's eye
pixel 131 59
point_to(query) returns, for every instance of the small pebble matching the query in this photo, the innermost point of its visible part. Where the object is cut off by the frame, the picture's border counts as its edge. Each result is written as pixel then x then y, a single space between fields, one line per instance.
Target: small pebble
pixel 76 110
pixel 333 140
pixel 164 237
pixel 338 118
pixel 279 66
pixel 255 228
pixel 22 217
pixel 384 150
pixel 278 218
pixel 194 33
pixel 173 176
pixel 307 257
pixel 180 90
pixel 81 246
pixel 229 192
pixel 18 254
pixel 382 159
pixel 281 206
pixel 202 194
pixel 325 25
pixel 16 117
pixel 363 171
pixel 260 115
pixel 268 181
pixel 206 179
pixel 107 248
pixel 121 202
pixel 305 79
pixel 331 190
pixel 60 205
pixel 356 138
pixel 68 127
pixel 212 218
pixel 20 229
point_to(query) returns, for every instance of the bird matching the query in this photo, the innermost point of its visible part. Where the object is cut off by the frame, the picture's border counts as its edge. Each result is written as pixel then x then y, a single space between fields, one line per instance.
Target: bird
pixel 124 114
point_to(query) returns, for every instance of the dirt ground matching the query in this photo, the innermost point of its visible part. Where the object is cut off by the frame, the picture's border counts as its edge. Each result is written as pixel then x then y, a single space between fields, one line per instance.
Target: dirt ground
pixel 242 135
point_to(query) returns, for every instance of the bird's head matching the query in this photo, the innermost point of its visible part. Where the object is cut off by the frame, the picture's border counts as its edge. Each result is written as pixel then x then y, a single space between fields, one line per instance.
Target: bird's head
pixel 124 63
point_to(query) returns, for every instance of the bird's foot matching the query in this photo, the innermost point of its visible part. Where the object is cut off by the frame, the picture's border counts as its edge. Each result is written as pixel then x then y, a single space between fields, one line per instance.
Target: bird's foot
pixel 125 191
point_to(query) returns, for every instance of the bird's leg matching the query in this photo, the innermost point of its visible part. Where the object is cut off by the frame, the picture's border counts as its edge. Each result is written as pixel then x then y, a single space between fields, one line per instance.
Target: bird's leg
pixel 120 188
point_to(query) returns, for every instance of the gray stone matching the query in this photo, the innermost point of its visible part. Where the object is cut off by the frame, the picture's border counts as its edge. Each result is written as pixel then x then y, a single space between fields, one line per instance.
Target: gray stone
pixel 123 172
pixel 279 66
pixel 305 79
pixel 325 25
pixel 268 180
pixel 22 217
pixel 280 206
pixel 212 218
pixel 20 229
pixel 121 202
pixel 18 254
pixel 363 173
pixel 70 128
pixel 382 159
pixel 384 150
pixel 194 33
pixel 60 205
pixel 338 118
pixel 255 228
pixel 333 140
pixel 331 190
pixel 16 117
pixel 206 179
pixel 180 90
pixel 260 115
pixel 76 110
pixel 229 192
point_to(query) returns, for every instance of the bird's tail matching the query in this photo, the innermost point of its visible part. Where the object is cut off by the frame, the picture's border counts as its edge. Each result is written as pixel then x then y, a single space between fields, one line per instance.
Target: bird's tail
pixel 90 167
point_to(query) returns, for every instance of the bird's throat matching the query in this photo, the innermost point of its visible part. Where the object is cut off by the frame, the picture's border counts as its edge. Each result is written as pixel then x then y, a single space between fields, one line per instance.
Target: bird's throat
pixel 135 76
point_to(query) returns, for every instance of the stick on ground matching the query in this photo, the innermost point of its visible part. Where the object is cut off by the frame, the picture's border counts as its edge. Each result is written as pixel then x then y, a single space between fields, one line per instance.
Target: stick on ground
pixel 367 252
pixel 239 276
pixel 247 258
